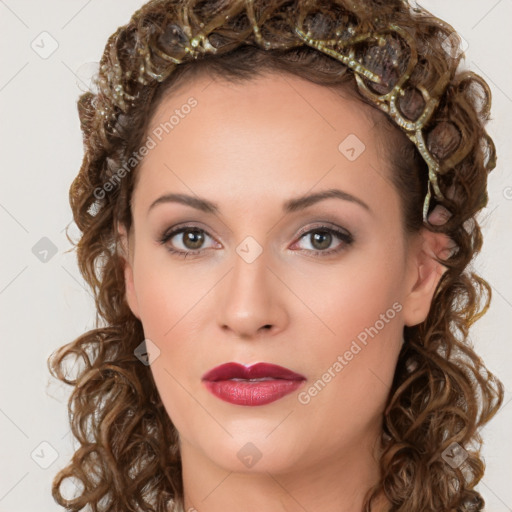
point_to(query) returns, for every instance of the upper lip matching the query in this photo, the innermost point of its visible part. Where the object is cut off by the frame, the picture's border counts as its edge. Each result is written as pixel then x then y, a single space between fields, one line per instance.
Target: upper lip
pixel 228 371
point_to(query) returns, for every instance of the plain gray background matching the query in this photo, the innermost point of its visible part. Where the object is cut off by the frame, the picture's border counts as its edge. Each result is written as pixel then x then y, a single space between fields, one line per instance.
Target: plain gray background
pixel 45 304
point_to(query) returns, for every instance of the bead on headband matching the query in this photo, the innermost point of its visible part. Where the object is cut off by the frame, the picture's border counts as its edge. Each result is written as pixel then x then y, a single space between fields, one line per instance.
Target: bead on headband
pixel 382 53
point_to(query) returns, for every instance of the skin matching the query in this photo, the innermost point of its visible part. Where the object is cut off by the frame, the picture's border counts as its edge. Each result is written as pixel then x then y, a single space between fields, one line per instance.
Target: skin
pixel 250 147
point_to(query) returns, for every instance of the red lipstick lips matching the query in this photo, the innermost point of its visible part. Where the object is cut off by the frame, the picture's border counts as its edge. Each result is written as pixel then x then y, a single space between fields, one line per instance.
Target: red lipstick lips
pixel 258 384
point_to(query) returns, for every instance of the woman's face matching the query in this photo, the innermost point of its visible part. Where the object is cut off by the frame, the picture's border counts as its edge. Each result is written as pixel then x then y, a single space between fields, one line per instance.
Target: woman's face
pixel 262 275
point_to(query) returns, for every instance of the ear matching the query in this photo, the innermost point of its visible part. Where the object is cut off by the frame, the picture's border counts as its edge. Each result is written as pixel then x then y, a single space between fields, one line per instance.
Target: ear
pixel 131 297
pixel 424 273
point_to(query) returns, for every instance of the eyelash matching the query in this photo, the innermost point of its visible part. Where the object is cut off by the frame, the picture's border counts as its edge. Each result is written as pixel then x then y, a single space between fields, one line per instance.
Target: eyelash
pixel 346 237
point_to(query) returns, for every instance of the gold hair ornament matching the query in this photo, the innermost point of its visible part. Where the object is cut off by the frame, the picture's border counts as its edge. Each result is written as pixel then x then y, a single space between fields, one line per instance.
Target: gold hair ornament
pixel 387 102
pixel 340 48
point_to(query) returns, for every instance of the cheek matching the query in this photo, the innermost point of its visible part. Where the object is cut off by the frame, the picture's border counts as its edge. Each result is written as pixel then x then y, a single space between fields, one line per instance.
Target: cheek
pixel 166 292
pixel 355 362
pixel 169 300
pixel 347 299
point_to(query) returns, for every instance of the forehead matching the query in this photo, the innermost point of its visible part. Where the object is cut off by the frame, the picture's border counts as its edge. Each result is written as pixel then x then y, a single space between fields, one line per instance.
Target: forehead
pixel 260 137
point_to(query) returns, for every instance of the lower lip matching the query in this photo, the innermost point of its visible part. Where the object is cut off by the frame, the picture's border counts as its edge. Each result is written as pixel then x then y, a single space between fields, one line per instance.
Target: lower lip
pixel 244 392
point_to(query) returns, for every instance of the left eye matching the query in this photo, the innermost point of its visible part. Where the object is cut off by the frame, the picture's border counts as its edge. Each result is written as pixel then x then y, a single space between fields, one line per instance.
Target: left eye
pixel 321 238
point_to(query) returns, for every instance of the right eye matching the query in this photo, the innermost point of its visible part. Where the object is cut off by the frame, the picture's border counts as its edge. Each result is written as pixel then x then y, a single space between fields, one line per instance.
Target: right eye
pixel 192 238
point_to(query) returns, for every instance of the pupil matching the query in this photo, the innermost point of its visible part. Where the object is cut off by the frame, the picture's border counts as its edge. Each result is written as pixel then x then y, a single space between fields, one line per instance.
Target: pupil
pixel 190 236
pixel 326 237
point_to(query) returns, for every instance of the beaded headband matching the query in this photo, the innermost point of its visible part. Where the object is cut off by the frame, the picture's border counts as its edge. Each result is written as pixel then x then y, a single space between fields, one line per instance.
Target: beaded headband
pixel 189 46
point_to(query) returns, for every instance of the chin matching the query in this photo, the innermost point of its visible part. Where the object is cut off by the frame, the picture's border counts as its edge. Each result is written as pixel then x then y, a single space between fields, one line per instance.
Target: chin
pixel 254 455
pixel 254 448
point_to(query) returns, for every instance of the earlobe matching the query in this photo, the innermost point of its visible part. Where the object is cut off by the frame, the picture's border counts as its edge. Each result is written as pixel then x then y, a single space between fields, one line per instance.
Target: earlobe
pixel 425 273
pixel 131 297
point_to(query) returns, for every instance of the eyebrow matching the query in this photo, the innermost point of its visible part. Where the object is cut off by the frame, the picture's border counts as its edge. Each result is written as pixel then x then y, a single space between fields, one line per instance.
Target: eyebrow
pixel 289 206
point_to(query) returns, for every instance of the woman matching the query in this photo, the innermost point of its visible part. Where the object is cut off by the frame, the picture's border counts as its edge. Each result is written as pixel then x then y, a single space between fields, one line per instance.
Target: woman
pixel 278 204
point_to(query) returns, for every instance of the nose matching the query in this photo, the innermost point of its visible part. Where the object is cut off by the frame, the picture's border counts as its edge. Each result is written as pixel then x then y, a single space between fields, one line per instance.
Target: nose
pixel 251 301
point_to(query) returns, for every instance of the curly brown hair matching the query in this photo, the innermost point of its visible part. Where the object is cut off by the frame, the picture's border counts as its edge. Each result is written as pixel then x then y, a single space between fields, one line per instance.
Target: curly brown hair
pixel 442 393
